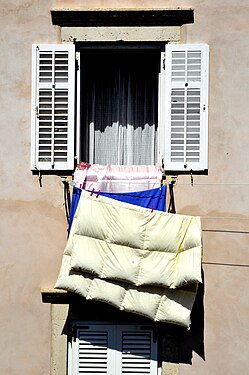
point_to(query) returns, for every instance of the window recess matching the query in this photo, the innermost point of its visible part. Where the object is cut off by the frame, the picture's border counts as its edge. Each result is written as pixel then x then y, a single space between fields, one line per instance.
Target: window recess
pixel 113 349
pixel 119 104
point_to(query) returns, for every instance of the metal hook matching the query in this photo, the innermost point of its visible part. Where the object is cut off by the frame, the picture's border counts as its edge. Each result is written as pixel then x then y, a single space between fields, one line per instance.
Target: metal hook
pixel 40 178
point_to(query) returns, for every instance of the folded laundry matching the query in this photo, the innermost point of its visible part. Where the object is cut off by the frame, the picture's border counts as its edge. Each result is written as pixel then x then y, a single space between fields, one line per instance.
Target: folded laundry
pixel 117 178
pixel 153 198
pixel 137 260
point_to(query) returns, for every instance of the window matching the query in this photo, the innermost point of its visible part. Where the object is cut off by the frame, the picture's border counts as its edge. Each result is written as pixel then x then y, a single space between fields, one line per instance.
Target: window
pixel 119 104
pixel 133 105
pixel 113 349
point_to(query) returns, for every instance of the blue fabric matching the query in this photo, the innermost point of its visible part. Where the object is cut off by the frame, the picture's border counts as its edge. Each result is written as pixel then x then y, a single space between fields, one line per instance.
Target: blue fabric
pixel 155 198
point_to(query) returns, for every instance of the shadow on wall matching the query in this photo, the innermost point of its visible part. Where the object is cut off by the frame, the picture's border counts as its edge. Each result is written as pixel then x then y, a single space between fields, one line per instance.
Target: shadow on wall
pixel 178 343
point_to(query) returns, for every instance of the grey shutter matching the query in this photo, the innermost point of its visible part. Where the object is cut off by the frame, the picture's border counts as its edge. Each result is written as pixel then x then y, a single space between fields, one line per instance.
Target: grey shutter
pixel 53 107
pixel 138 352
pixel 92 352
pixel 93 348
pixel 186 107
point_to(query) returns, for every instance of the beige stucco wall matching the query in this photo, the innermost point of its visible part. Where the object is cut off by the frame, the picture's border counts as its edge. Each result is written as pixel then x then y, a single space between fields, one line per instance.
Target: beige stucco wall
pixel 33 226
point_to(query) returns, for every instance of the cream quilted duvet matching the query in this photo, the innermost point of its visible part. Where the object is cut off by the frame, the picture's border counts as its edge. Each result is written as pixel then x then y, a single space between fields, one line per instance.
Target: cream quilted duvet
pixel 140 261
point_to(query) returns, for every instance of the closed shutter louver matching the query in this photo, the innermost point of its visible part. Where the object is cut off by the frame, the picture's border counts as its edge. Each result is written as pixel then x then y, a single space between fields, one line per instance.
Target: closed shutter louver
pixel 136 353
pixel 186 76
pixel 113 349
pixel 53 107
pixel 93 347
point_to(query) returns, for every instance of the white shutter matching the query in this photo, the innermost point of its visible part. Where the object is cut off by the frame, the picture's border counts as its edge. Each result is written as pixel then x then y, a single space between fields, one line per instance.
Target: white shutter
pixel 113 350
pixel 139 352
pixel 185 101
pixel 52 138
pixel 92 351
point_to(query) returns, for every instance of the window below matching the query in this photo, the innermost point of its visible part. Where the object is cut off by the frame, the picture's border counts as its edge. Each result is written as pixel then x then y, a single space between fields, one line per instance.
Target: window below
pixel 112 349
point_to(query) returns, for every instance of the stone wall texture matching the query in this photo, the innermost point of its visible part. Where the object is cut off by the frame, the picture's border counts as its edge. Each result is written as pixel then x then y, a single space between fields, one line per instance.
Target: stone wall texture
pixel 33 225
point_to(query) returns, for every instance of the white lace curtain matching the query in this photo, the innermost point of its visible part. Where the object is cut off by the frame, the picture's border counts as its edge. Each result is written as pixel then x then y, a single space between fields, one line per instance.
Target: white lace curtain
pixel 119 106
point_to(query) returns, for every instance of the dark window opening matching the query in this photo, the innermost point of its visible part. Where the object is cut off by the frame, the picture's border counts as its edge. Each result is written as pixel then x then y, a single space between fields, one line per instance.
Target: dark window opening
pixel 119 105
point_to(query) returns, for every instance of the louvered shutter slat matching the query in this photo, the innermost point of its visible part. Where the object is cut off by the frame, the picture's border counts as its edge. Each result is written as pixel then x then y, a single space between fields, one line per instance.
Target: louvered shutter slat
pixel 53 107
pixel 185 97
pixel 136 353
pixel 114 349
pixel 93 352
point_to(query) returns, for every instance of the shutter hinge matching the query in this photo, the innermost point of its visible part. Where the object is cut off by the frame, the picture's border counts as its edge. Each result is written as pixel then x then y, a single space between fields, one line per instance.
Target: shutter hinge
pixel 155 334
pixel 163 60
pixel 73 332
pixel 77 59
